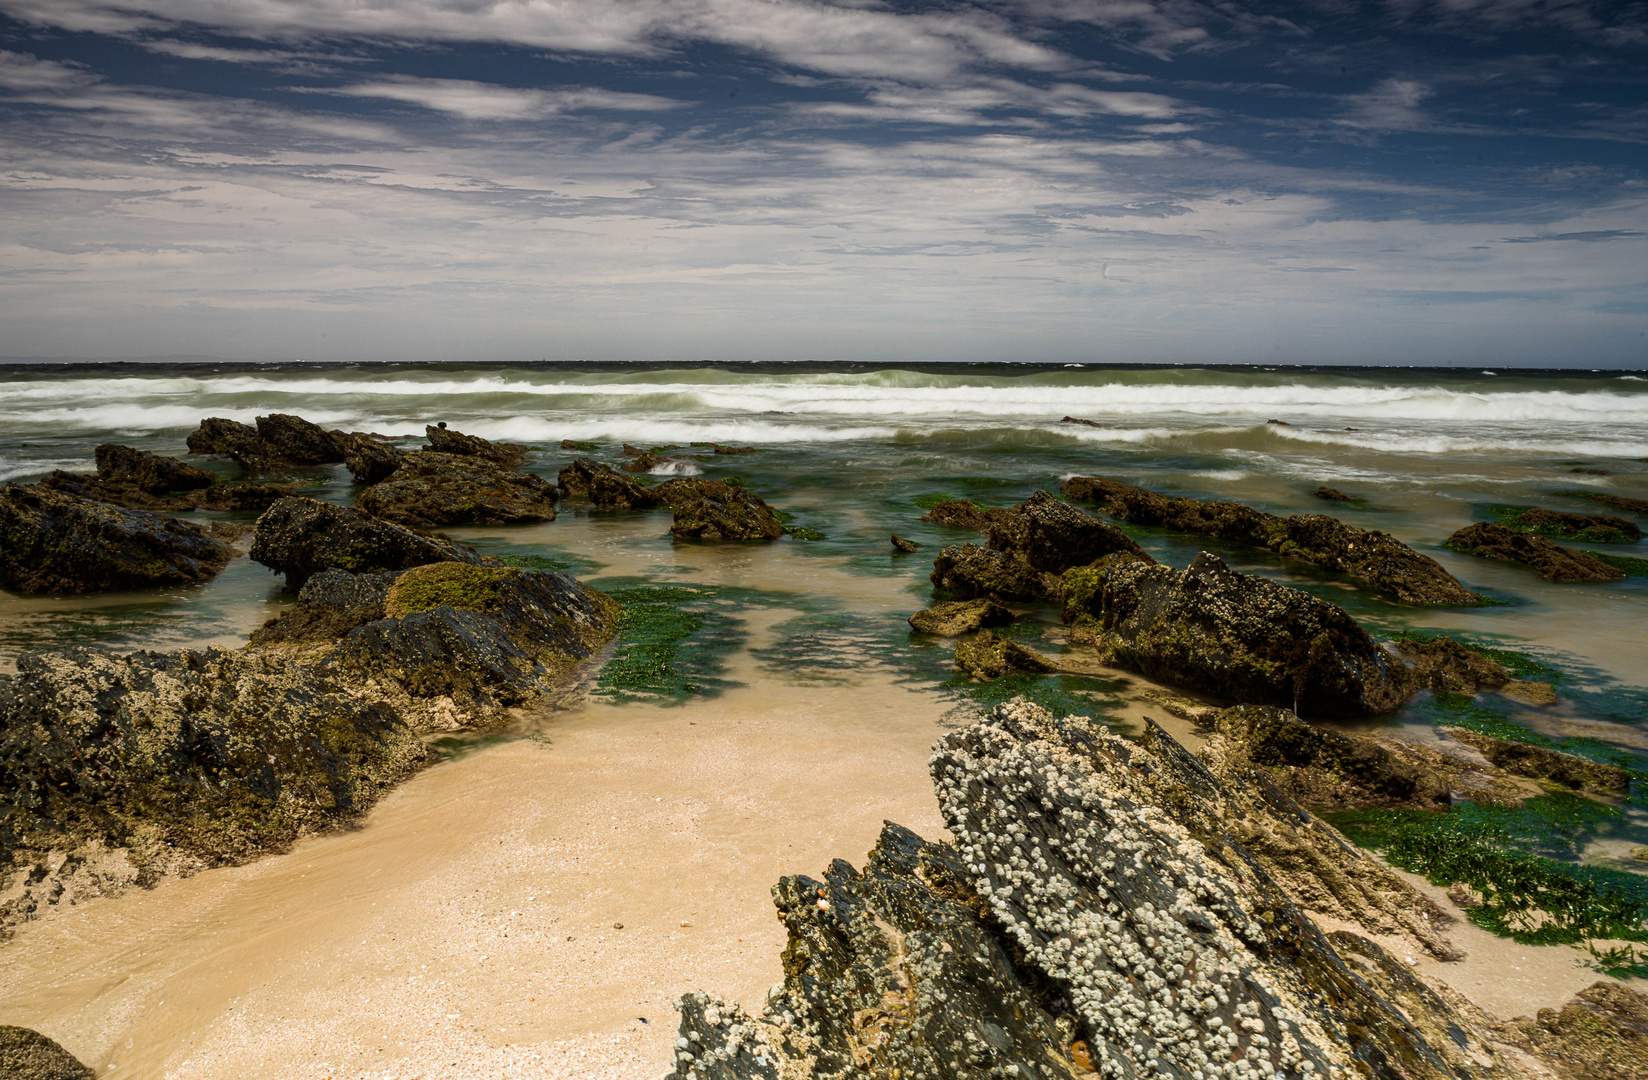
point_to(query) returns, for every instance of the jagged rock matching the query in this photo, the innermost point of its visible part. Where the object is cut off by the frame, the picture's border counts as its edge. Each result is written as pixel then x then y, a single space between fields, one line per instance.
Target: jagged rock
pixel 735 449
pixel 1053 536
pixel 1374 558
pixel 1591 528
pixel 150 473
pixel 1602 1034
pixel 904 546
pixel 139 480
pixel 280 441
pixel 445 440
pixel 987 655
pixel 1331 494
pixel 960 617
pixel 648 462
pixel 26 1054
pixel 1106 907
pixel 301 537
pixel 432 490
pixel 1553 561
pixel 1536 761
pixel 54 542
pixel 230 438
pixel 1237 636
pixel 969 571
pixel 962 514
pixel 369 460
pixel 185 759
pixel 1445 665
pixel 604 486
pixel 710 510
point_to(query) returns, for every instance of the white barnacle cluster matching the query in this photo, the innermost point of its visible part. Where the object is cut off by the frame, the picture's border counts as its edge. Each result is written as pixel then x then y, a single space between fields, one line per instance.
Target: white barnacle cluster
pixel 729 1034
pixel 1111 896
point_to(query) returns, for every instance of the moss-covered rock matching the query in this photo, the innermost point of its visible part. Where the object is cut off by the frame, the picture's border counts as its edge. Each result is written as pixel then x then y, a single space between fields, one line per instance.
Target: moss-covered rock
pixel 53 542
pixel 139 480
pixel 179 760
pixel 1237 636
pixel 1542 763
pixel 1374 558
pixel 1053 536
pixel 712 510
pixel 430 490
pixel 1447 666
pixel 301 537
pixel 604 486
pixel 1591 528
pixel 987 655
pixel 1602 1034
pixel 1553 561
pixel 960 617
pixel 28 1055
pixel 970 571
pixel 965 514
pixel 370 460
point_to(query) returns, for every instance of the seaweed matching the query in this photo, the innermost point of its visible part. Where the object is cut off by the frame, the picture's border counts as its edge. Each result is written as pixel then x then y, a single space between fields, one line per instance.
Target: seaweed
pixel 927 502
pixel 560 562
pixel 1628 563
pixel 664 651
pixel 1509 516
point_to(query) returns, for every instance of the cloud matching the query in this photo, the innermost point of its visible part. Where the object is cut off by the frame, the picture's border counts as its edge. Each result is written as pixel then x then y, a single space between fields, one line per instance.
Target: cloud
pixel 1393 105
pixel 487 101
pixel 24 73
pixel 1589 236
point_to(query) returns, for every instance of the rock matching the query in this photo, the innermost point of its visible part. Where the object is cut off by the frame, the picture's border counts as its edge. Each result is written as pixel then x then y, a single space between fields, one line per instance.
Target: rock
pixel 987 655
pixel 292 440
pixel 1079 420
pixel 969 571
pixel 735 449
pixel 139 480
pixel 1238 636
pixel 1521 759
pixel 1553 561
pixel 445 440
pixel 1462 894
pixel 1445 665
pixel 648 462
pixel 710 510
pixel 1640 853
pixel 330 604
pixel 963 514
pixel 960 617
pixel 1199 713
pixel 1538 694
pixel 431 490
pixel 229 438
pixel 183 760
pixel 1591 528
pixel 53 542
pixel 1106 906
pixel 1602 1034
pixel 604 486
pixel 905 546
pixel 1331 494
pixel 1618 502
pixel 1373 558
pixel 26 1054
pixel 1052 536
pixel 369 460
pixel 301 537
pixel 149 473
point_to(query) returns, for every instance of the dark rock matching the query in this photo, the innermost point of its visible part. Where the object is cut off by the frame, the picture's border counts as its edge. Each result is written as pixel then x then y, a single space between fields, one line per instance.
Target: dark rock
pixel 1521 759
pixel 242 496
pixel 1592 528
pixel 1539 694
pixel 330 604
pixel 647 462
pixel 28 1055
pixel 1553 561
pixel 1237 636
pixel 229 438
pixel 292 440
pixel 604 486
pixel 431 490
pixel 1331 494
pixel 139 480
pixel 960 617
pixel 969 571
pixel 1053 536
pixel 735 449
pixel 183 760
pixel 1602 1034
pixel 149 473
pixel 54 542
pixel 1592 472
pixel 710 510
pixel 962 514
pixel 905 546
pixel 369 460
pixel 1079 420
pixel 445 440
pixel 1445 665
pixel 987 655
pixel 301 537
pixel 1618 502
pixel 1106 907
pixel 1373 558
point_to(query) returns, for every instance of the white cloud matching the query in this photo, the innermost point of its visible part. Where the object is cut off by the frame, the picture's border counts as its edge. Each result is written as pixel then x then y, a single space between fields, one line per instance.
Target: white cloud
pixel 1393 105
pixel 487 101
pixel 24 73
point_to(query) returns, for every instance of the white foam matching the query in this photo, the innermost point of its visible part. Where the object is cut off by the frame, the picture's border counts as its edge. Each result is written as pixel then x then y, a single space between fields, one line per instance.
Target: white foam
pixel 675 468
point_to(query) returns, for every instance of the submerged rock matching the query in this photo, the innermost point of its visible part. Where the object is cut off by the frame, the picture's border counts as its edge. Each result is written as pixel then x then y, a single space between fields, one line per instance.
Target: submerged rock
pixel 1331 494
pixel 904 546
pixel 181 760
pixel 430 490
pixel 960 617
pixel 445 440
pixel 604 486
pixel 1445 665
pixel 964 514
pixel 301 537
pixel 1553 561
pixel 1521 759
pixel 1618 502
pixel 987 655
pixel 1374 558
pixel 54 542
pixel 26 1054
pixel 1238 636
pixel 711 510
pixel 139 480
pixel 1106 907
pixel 1591 528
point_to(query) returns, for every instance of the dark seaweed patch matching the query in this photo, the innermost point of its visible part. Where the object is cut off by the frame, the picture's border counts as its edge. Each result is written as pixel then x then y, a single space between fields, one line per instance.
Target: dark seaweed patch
pixel 668 647
pixel 1628 563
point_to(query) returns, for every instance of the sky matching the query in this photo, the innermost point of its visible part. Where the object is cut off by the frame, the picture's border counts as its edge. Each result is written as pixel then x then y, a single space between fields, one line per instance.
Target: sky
pixel 1129 181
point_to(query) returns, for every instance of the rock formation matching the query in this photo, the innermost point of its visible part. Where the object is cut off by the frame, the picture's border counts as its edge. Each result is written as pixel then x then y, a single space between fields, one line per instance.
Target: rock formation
pixel 54 542
pixel 1238 636
pixel 963 514
pixel 1553 561
pixel 1444 665
pixel 604 486
pixel 960 617
pixel 1591 528
pixel 987 655
pixel 370 460
pixel 430 490
pixel 711 510
pixel 444 440
pixel 140 480
pixel 1030 545
pixel 1373 558
pixel 280 441
pixel 1618 502
pixel 300 537
pixel 903 546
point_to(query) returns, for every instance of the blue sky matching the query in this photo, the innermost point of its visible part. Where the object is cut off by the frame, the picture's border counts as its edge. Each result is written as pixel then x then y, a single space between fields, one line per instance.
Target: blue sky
pixel 1404 182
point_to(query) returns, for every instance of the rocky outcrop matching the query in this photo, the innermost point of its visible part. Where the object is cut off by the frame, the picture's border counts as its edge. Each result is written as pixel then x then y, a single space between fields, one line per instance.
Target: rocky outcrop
pixel 1591 528
pixel 370 460
pixel 1537 762
pixel 1553 561
pixel 445 440
pixel 1618 502
pixel 964 514
pixel 604 486
pixel 54 542
pixel 711 510
pixel 960 617
pixel 178 761
pixel 1030 545
pixel 139 480
pixel 1331 494
pixel 430 490
pixel 149 473
pixel 1444 665
pixel 903 546
pixel 280 441
pixel 1374 558
pixel 1238 636
pixel 987 655
pixel 301 537
pixel 1602 1034
pixel 28 1055
pixel 967 570
pixel 1106 907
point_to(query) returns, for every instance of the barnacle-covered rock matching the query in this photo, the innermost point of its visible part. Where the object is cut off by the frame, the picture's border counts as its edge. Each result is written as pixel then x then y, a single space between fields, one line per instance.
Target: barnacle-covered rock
pixel 1238 636
pixel 1553 561
pixel 959 617
pixel 26 1054
pixel 54 542
pixel 430 490
pixel 370 460
pixel 987 655
pixel 301 537
pixel 604 486
pixel 1053 536
pixel 1374 558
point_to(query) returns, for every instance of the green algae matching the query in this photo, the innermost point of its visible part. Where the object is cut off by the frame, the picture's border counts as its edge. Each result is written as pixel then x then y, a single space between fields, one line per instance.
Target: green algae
pixel 1508 515
pixel 1629 564
pixel 459 585
pixel 665 651
pixel 563 562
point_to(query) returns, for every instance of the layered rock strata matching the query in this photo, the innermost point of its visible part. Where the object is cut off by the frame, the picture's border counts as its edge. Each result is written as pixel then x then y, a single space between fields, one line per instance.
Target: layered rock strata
pixel 301 537
pixel 1373 558
pixel 1551 560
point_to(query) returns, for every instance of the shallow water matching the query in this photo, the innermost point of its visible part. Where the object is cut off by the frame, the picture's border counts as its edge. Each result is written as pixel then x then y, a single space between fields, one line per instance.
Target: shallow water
pixel 800 709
